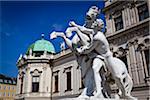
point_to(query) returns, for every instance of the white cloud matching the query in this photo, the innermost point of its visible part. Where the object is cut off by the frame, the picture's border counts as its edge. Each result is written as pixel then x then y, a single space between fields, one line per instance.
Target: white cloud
pixel 7 34
pixel 57 27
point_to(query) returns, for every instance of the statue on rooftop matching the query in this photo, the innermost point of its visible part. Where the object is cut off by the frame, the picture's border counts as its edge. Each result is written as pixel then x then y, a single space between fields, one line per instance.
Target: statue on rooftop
pixel 93 53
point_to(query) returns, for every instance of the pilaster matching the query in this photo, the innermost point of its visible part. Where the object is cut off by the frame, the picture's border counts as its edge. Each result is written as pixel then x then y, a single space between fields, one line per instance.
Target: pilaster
pixel 128 15
pixel 29 81
pixel 133 66
pixel 123 17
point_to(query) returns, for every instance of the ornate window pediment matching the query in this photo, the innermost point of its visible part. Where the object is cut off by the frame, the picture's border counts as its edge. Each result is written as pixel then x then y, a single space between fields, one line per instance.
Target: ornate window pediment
pixel 36 72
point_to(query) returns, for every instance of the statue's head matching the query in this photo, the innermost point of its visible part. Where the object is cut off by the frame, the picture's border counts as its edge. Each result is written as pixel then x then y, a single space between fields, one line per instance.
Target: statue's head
pixel 91 15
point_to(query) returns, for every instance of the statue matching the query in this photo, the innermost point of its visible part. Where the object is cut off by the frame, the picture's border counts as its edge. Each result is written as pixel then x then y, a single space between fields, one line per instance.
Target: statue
pixel 94 47
pixel 83 61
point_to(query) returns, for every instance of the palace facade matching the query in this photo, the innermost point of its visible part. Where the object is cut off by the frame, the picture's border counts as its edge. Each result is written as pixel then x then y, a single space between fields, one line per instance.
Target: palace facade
pixel 45 75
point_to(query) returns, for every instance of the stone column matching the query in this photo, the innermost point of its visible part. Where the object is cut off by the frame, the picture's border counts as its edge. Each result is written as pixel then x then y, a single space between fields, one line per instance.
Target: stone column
pixel 18 84
pixel 140 69
pixel 133 63
pixel 129 62
pixel 128 15
pixel 131 13
pixel 62 81
pixel 26 78
pixel 41 83
pixel 123 17
pixel 44 79
pixel 48 77
pixel 136 14
pixel 29 80
pixel 113 25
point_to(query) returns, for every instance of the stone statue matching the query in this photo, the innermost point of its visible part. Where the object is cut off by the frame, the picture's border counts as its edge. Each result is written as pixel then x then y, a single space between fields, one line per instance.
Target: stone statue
pixel 94 47
pixel 83 60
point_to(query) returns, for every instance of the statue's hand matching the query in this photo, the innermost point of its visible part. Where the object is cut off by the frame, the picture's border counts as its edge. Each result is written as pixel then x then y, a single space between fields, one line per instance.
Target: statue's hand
pixel 79 50
pixel 53 35
pixel 72 23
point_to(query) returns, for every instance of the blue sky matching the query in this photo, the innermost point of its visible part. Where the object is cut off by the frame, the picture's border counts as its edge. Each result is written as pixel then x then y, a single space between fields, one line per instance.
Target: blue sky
pixel 22 22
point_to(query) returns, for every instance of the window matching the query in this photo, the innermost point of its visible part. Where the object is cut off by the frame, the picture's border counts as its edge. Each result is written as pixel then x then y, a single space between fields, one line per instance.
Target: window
pixel 13 88
pixel 9 81
pixel 143 12
pixel 14 82
pixel 1 80
pixel 12 94
pixel 146 53
pixel 56 83
pixel 8 94
pixel 68 80
pixel 118 22
pixel 8 87
pixel 35 83
pixel 4 87
pixel 5 81
pixel 4 94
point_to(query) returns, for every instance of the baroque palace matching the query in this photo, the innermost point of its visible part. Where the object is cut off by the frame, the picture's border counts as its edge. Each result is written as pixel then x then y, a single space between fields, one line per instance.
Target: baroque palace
pixel 43 74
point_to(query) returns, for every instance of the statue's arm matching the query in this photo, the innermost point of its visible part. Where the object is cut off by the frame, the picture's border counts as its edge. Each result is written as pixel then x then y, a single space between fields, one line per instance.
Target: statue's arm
pixel 81 28
pixel 85 30
pixel 68 42
pixel 88 49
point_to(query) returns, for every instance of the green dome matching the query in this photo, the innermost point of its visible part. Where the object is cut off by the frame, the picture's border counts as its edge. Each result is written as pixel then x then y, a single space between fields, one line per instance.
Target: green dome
pixel 42 45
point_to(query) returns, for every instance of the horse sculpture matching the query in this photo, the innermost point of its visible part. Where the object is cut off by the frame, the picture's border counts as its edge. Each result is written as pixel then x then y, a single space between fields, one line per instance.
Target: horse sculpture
pixel 97 48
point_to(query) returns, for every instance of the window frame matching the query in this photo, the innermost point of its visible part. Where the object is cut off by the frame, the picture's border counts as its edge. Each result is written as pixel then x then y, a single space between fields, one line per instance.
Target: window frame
pixel 143 13
pixel 35 83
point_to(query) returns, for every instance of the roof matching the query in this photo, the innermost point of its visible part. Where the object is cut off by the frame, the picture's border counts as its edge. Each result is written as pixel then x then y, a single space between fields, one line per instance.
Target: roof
pixel 41 45
pixel 7 80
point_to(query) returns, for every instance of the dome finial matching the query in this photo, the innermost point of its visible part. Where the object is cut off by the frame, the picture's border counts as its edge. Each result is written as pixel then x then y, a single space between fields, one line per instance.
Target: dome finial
pixel 42 35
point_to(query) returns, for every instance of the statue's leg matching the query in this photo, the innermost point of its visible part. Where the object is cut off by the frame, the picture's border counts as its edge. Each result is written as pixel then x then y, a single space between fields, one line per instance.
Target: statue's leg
pixel 97 64
pixel 106 87
pixel 128 87
pixel 120 86
pixel 87 76
pixel 89 82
